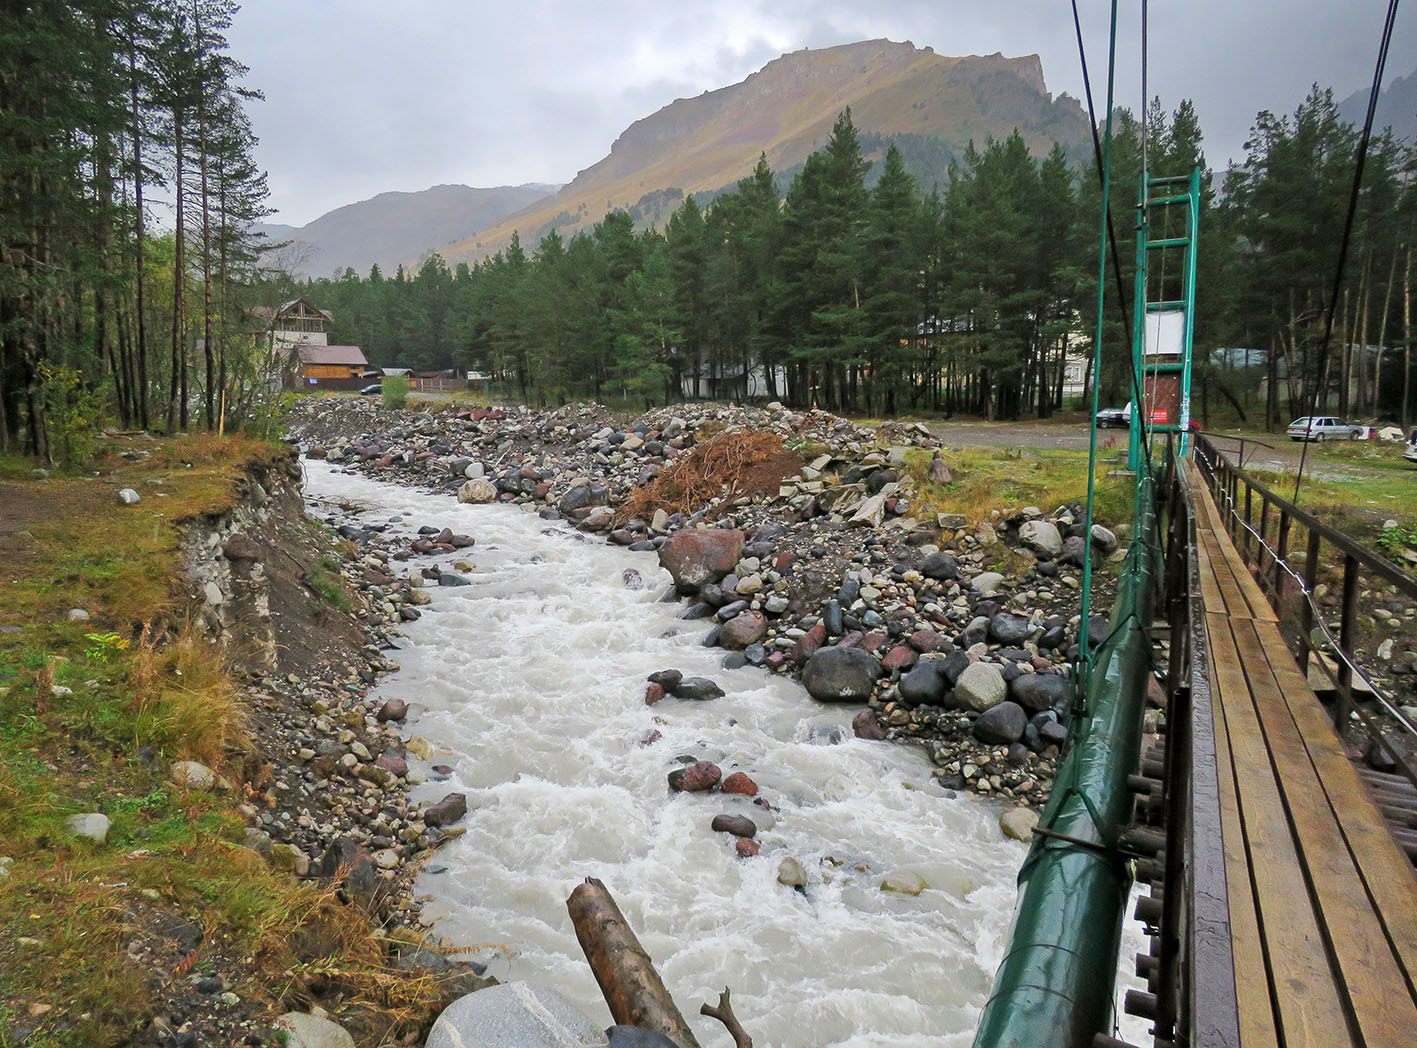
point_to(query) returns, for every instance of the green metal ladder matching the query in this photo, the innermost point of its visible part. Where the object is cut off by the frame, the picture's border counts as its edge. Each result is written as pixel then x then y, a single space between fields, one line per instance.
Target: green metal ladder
pixel 1164 192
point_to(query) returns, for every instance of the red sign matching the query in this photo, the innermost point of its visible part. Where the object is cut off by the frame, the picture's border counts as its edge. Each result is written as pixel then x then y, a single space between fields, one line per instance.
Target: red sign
pixel 1160 416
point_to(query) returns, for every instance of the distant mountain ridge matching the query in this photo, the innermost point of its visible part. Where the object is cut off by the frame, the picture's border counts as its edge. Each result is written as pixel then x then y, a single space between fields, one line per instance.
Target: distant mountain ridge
pixel 395 227
pixel 786 110
pixel 1397 107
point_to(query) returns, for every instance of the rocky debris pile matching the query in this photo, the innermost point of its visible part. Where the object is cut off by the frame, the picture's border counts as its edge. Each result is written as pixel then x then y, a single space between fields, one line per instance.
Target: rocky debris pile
pixel 834 576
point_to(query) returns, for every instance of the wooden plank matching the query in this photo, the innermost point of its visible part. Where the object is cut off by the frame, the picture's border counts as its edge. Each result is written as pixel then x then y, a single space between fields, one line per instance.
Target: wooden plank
pixel 1255 604
pixel 1311 1010
pixel 1388 875
pixel 1371 976
pixel 1252 994
pixel 1235 605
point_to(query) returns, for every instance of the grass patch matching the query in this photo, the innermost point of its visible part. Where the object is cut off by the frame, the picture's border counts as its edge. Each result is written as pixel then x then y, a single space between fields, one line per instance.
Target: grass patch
pixel 1005 480
pixel 323 578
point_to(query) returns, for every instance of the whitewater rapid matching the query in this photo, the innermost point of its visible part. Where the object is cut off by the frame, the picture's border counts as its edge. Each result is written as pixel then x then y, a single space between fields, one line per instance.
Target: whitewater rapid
pixel 530 684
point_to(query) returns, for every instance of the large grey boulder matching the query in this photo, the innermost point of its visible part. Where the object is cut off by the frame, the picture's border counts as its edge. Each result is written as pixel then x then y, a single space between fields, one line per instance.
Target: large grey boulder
pixel 478 491
pixel 514 1015
pixel 981 687
pixel 312 1031
pixel 1001 725
pixel 92 826
pixel 1041 537
pixel 1039 691
pixel 841 675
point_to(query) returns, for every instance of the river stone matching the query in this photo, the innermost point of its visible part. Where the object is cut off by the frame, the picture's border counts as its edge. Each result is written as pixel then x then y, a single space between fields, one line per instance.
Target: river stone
pixel 311 1031
pixel 191 773
pixel 447 811
pixel 128 497
pixel 740 784
pixel 865 726
pixel 1104 540
pixel 1041 537
pixel 923 684
pixel 904 882
pixel 939 566
pixel 667 679
pixel 90 825
pixel 840 675
pixel 514 1015
pixel 981 687
pixel 694 557
pixel 742 630
pixel 986 583
pixel 1073 549
pixel 1039 691
pixel 1001 725
pixel 635 1037
pixel 478 491
pixel 1006 628
pixel 697 777
pixel 582 496
pixel 392 710
pixel 696 688
pixel 738 825
pixel 791 873
pixel 1018 823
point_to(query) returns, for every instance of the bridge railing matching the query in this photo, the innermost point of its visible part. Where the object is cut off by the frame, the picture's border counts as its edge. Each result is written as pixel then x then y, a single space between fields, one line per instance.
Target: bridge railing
pixel 1196 1001
pixel 1267 529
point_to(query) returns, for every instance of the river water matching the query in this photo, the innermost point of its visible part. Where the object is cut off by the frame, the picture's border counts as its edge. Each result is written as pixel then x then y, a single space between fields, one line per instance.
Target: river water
pixel 530 682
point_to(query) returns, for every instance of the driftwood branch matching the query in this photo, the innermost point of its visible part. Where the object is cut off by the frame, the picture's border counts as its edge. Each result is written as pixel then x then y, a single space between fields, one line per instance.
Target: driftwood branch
pixel 723 1012
pixel 627 977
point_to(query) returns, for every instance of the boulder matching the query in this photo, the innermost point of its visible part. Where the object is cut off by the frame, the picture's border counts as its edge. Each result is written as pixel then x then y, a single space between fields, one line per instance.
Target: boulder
pixel 1041 537
pixel 582 496
pixel 697 688
pixel 987 583
pixel 1001 725
pixel 1104 540
pixel 392 710
pixel 637 1037
pixel 697 777
pixel 740 784
pixel 981 687
pixel 694 557
pixel 738 825
pixel 1018 823
pixel 447 811
pixel 128 497
pixel 940 566
pixel 1006 628
pixel 303 1030
pixel 742 630
pixel 191 773
pixel 841 675
pixel 1039 691
pixel 478 491
pixel 791 873
pixel 523 1014
pixel 91 826
pixel 865 726
pixel 903 882
pixel 923 685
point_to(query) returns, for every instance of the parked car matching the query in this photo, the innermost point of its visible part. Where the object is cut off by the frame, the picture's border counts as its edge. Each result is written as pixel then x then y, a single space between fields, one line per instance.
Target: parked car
pixel 1322 427
pixel 372 391
pixel 1118 418
pixel 1410 451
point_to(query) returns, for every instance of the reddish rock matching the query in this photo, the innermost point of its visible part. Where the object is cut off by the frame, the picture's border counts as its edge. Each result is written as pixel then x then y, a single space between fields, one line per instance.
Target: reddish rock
pixel 699 555
pixel 653 693
pixel 866 726
pixel 392 762
pixel 447 811
pixel 743 629
pixel 392 710
pixel 386 460
pixel 651 737
pixel 926 641
pixel 746 847
pixel 900 657
pixel 738 825
pixel 808 644
pixel 424 456
pixel 851 639
pixel 873 640
pixel 542 490
pixel 776 660
pixel 316 452
pixel 740 783
pixel 784 561
pixel 695 778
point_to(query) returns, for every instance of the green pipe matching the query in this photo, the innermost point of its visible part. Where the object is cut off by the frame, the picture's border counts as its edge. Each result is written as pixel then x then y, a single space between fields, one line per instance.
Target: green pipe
pixel 1054 986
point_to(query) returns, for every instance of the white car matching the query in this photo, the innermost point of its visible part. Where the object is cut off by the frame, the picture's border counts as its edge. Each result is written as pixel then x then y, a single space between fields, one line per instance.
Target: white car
pixel 1410 451
pixel 1322 427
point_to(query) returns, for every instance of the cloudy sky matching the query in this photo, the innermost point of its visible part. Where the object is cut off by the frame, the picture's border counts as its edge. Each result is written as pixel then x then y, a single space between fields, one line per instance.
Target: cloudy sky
pixel 364 96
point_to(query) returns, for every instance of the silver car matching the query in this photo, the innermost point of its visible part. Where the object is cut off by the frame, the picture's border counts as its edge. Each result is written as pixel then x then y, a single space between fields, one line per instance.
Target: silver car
pixel 1322 427
pixel 1410 451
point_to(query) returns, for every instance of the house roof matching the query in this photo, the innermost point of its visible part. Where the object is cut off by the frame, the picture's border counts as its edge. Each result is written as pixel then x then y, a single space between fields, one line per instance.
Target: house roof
pixel 350 355
pixel 267 313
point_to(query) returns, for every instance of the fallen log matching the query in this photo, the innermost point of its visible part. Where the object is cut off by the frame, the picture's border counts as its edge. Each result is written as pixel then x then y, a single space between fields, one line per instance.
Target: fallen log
pixel 627 977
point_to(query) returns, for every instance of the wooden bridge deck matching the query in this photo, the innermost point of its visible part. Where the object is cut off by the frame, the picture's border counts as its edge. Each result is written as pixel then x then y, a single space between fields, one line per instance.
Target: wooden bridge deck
pixel 1322 903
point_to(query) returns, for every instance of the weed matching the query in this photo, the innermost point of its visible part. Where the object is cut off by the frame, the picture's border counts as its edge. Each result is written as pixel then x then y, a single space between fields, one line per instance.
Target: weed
pixel 323 578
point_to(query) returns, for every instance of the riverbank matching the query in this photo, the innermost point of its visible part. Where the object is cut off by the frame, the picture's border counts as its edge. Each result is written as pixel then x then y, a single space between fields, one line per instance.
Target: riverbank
pixel 190 834
pixel 804 537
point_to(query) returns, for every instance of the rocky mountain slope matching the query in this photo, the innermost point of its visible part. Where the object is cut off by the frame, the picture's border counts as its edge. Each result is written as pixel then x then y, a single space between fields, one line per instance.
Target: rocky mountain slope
pixel 398 227
pixel 1397 107
pixel 786 110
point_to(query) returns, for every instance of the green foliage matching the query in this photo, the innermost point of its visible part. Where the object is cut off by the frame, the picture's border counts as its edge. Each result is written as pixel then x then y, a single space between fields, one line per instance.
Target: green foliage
pixel 1398 537
pixel 395 391
pixel 73 411
pixel 324 581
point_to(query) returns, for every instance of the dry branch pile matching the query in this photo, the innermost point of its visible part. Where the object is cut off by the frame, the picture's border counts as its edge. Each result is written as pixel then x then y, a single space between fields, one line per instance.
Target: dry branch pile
pixel 732 464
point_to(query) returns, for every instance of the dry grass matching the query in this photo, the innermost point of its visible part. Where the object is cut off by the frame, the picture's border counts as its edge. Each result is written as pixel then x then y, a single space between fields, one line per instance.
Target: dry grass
pixel 733 463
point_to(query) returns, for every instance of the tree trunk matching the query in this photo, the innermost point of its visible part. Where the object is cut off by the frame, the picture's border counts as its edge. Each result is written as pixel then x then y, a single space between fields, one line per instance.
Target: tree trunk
pixel 1407 339
pixel 140 347
pixel 210 358
pixel 179 369
pixel 632 988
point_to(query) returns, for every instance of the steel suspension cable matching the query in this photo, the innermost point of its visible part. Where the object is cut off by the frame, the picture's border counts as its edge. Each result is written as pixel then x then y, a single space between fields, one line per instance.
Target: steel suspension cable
pixel 1358 166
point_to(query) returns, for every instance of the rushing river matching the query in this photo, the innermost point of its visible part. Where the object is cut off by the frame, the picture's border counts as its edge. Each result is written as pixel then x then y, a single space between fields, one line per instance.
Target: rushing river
pixel 530 684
